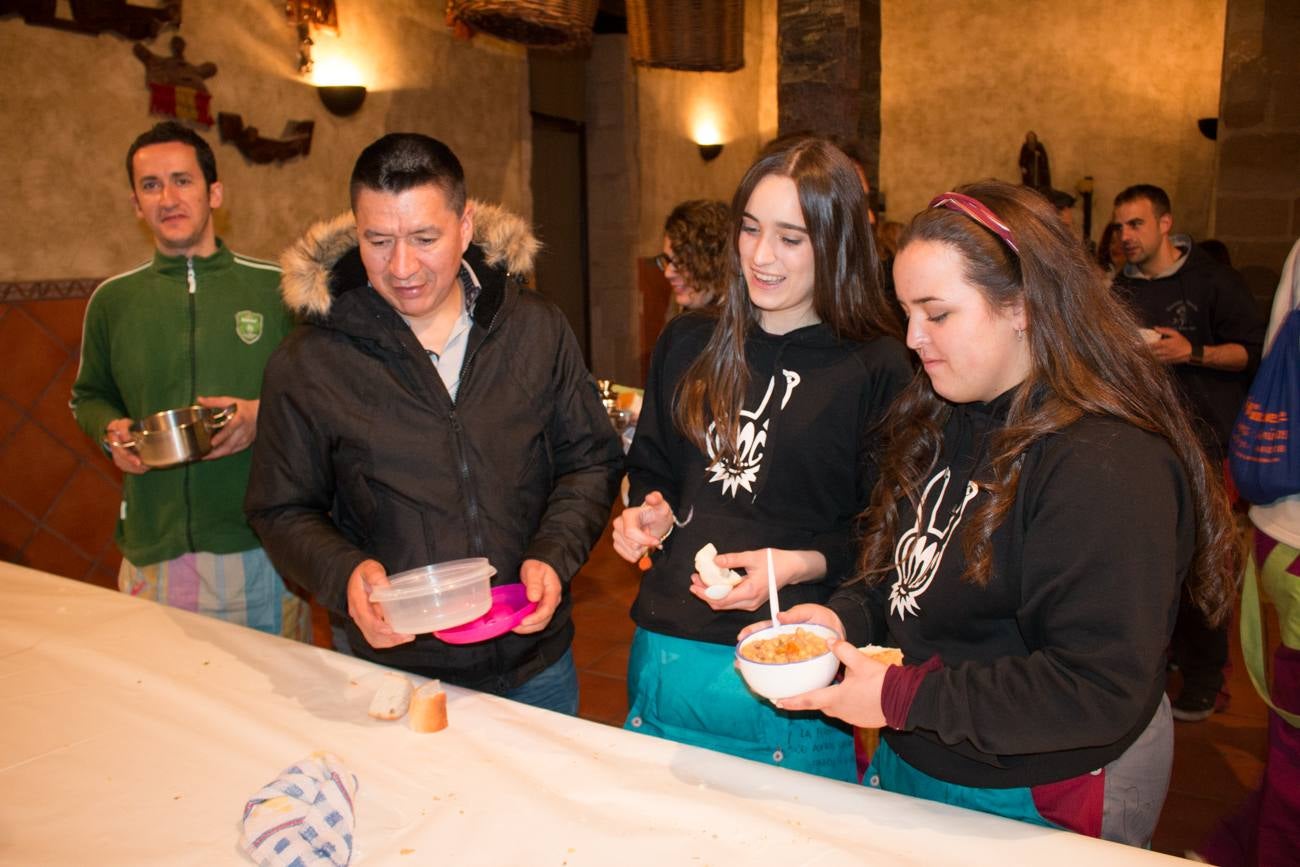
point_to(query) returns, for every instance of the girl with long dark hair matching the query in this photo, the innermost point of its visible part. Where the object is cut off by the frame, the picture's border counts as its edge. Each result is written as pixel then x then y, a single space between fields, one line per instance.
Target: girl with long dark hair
pixel 1042 499
pixel 755 425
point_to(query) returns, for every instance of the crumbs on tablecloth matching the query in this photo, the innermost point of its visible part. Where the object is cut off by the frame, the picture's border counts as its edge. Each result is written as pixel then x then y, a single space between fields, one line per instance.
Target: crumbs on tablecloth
pixel 406 852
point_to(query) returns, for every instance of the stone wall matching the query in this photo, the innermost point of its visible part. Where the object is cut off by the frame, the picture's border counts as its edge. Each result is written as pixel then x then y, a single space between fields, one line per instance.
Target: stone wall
pixel 642 160
pixel 1113 88
pixel 828 79
pixel 1257 204
pixel 75 102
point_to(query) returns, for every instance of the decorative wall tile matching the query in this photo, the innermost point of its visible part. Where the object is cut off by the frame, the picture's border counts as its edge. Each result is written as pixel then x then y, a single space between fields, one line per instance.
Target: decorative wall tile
pixel 49 553
pixel 16 530
pixel 87 504
pixel 32 357
pixel 34 468
pixel 58 492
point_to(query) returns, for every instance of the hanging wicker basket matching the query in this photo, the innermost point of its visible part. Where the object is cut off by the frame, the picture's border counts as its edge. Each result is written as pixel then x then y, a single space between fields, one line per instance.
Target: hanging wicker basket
pixel 693 35
pixel 558 24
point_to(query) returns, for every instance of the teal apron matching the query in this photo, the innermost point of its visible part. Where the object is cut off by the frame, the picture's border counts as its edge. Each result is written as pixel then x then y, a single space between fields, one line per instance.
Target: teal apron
pixel 690 692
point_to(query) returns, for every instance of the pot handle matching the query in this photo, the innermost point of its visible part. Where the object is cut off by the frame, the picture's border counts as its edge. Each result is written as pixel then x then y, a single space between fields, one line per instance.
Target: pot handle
pixel 126 444
pixel 222 417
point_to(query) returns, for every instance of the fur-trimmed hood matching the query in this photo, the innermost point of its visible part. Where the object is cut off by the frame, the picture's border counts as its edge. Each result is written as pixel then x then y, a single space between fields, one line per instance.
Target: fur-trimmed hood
pixel 308 284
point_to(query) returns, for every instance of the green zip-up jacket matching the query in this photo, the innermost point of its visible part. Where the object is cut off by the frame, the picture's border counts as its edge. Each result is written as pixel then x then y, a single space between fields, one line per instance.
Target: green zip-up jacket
pixel 154 339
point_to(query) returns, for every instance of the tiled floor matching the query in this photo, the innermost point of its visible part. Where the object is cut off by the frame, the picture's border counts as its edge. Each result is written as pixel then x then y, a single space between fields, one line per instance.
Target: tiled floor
pixel 1215 762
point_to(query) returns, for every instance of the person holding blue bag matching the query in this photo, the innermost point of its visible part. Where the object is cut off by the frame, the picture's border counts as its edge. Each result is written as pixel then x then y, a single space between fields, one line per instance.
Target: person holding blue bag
pixel 1266 829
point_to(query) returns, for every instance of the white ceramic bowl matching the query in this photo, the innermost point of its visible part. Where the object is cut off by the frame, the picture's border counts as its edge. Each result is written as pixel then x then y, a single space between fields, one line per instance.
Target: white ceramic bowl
pixel 437 597
pixel 774 680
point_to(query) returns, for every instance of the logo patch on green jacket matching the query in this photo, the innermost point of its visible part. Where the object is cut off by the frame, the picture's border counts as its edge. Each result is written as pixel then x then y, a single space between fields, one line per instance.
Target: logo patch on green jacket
pixel 248 325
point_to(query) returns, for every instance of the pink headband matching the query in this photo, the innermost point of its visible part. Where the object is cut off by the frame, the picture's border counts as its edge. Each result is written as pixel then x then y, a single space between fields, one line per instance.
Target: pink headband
pixel 977 211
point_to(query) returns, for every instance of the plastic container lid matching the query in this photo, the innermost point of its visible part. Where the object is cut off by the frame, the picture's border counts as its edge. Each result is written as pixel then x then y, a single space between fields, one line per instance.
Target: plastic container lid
pixel 510 606
pixel 439 577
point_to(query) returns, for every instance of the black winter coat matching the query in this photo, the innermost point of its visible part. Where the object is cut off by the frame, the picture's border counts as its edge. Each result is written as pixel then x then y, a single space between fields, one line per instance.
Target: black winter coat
pixel 361 452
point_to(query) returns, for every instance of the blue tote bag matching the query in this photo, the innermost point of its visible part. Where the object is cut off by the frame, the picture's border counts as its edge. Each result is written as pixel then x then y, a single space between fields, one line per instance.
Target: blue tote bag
pixel 1264 455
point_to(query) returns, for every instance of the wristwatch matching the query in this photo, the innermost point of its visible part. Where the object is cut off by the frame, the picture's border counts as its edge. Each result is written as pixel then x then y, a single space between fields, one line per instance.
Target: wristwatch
pixel 1198 354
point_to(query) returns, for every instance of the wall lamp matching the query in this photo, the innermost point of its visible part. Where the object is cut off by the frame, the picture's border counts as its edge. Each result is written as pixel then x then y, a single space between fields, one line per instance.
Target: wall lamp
pixel 709 152
pixel 341 99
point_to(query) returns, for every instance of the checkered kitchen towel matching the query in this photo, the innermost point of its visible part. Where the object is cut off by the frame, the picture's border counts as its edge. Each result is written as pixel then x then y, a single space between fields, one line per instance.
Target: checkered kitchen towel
pixel 302 817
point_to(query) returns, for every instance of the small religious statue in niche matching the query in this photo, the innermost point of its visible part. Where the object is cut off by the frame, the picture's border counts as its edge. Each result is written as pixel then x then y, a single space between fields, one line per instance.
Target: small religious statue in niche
pixel 98 16
pixel 1034 170
pixel 295 142
pixel 177 88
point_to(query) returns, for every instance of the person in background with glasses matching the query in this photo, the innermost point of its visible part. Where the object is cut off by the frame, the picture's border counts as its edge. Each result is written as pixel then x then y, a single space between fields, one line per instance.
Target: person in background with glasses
pixel 1042 500
pixel 697 235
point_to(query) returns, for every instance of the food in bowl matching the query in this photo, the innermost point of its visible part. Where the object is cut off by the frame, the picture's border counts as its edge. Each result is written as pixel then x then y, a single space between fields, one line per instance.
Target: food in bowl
pixel 438 596
pixel 790 647
pixel 777 680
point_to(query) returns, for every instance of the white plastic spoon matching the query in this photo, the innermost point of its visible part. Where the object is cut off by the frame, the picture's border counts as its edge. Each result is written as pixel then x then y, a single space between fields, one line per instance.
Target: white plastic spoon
pixel 771 587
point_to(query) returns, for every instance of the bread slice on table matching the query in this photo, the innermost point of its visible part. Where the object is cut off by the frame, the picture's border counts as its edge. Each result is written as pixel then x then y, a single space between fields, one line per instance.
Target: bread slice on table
pixel 392 697
pixel 429 708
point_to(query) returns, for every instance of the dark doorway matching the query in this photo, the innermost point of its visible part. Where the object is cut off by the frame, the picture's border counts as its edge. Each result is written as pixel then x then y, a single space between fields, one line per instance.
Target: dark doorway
pixel 560 215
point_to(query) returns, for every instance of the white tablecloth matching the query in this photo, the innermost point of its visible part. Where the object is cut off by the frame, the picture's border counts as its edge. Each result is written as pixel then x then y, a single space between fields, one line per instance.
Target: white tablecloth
pixel 131 733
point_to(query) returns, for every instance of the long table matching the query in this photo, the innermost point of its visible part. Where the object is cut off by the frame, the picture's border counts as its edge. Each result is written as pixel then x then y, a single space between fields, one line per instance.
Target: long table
pixel 132 733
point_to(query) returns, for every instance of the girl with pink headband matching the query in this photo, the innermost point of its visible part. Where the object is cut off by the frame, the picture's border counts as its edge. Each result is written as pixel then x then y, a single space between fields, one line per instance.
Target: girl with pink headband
pixel 1042 499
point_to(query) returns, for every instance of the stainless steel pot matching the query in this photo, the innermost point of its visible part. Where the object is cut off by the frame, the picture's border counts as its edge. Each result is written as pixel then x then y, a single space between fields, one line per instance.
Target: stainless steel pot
pixel 177 436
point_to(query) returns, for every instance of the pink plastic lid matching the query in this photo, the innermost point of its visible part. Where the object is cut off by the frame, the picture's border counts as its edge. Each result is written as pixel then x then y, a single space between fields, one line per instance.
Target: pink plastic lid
pixel 510 606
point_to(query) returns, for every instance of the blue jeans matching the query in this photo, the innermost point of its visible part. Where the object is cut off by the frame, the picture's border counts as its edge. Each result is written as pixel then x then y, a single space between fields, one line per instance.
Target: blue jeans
pixel 553 688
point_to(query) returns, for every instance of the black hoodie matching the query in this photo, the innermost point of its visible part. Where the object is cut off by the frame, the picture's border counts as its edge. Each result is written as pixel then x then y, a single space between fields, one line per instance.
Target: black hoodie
pixel 812 402
pixel 1207 303
pixel 1056 666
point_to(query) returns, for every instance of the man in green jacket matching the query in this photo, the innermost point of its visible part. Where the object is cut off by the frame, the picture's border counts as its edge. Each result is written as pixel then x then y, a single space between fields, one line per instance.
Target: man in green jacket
pixel 194 325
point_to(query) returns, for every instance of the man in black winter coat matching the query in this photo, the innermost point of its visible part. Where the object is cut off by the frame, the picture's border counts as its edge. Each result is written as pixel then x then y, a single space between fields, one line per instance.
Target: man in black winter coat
pixel 1204 323
pixel 428 409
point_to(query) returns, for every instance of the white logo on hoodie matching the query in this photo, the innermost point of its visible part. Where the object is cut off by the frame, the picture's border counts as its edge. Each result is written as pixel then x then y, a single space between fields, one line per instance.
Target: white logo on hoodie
pixel 750 444
pixel 919 552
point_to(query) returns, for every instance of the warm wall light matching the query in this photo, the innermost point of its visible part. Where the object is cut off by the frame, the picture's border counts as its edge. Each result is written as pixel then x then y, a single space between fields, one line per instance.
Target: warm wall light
pixel 342 99
pixel 707 137
pixel 709 151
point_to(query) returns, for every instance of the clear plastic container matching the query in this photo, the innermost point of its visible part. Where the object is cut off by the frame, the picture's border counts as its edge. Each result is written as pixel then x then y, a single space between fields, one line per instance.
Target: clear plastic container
pixel 438 596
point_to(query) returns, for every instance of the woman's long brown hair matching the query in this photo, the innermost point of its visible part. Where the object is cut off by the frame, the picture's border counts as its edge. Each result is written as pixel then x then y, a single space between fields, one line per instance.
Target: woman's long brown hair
pixel 847 293
pixel 1087 359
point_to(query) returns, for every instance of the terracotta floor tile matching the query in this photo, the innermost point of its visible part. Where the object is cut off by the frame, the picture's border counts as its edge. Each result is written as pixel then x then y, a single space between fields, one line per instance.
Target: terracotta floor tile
pixel 602 699
pixel 34 467
pixel 32 357
pixel 603 622
pixel 588 650
pixel 613 663
pixel 86 512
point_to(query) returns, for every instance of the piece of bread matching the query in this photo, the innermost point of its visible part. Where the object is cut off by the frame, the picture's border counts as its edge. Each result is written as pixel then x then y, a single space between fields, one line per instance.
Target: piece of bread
pixel 428 708
pixel 886 655
pixel 710 572
pixel 392 698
